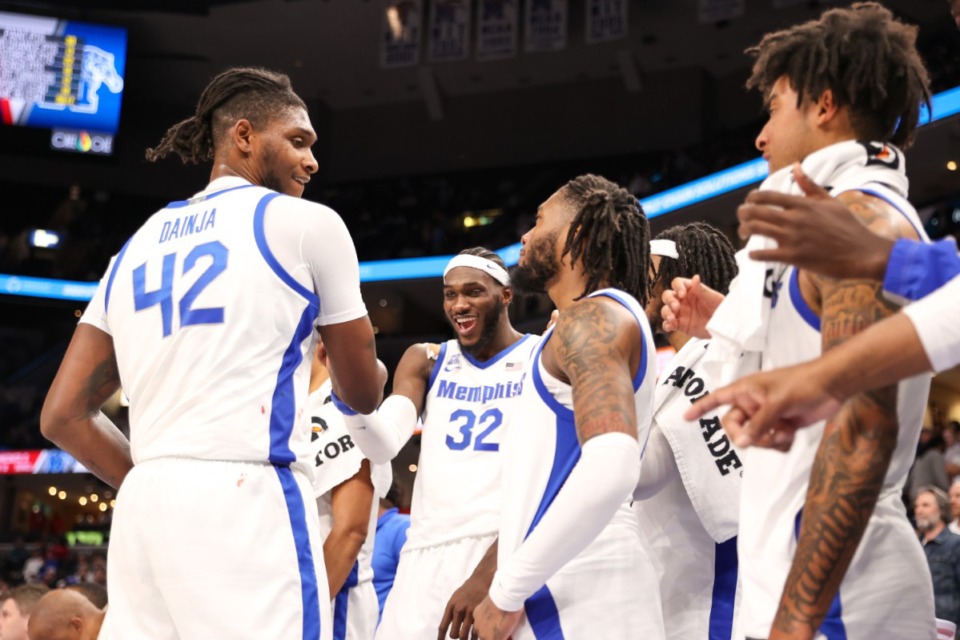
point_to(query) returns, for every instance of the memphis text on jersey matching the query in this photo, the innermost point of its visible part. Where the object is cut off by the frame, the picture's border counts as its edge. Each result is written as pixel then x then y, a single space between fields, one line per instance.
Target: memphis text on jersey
pixel 478 393
pixel 694 388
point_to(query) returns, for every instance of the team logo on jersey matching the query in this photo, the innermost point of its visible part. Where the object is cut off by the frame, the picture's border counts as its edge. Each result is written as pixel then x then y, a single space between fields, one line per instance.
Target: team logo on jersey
pixel 453 364
pixel 317 426
pixel 882 154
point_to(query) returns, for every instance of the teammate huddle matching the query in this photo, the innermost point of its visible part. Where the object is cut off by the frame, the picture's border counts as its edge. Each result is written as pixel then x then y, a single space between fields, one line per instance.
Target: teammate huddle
pixel 563 490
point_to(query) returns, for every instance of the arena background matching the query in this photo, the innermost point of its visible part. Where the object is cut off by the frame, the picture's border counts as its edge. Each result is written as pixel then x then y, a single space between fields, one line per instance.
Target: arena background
pixel 420 160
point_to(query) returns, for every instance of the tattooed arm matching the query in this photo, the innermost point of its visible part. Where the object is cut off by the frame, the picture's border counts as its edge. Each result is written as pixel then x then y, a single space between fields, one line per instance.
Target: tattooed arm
pixel 596 345
pixel 71 416
pixel 855 452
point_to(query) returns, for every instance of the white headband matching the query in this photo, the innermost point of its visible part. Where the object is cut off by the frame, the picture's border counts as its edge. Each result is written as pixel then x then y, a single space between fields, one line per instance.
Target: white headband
pixel 665 248
pixel 489 267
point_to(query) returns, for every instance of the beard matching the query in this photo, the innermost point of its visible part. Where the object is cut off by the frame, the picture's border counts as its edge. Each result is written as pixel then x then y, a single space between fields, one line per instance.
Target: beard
pixel 490 320
pixel 539 268
pixel 924 524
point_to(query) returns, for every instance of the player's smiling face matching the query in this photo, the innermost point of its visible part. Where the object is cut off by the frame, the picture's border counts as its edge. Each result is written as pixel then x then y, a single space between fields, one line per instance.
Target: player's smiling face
pixel 473 303
pixel 285 159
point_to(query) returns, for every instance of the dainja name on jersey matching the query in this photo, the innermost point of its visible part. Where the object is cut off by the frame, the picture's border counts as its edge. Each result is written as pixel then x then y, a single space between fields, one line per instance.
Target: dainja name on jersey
pixel 478 393
pixel 720 448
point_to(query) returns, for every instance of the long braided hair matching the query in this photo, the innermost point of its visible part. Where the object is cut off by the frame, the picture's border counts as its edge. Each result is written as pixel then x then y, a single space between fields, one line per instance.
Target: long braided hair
pixel 867 59
pixel 243 92
pixel 703 250
pixel 609 234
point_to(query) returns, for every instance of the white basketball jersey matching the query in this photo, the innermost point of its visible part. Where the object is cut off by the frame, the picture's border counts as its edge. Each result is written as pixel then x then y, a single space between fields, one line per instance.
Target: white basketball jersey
pixel 212 305
pixel 541 448
pixel 457 490
pixel 887 591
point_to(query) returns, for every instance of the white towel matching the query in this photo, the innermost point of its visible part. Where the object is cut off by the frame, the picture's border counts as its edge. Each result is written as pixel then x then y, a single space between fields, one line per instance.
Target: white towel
pixel 738 327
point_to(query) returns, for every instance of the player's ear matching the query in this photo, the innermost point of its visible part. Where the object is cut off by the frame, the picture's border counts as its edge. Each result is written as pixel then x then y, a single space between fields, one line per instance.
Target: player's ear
pixel 506 294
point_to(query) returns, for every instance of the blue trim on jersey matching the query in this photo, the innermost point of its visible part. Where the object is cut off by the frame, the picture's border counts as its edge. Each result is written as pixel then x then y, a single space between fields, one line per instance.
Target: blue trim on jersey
pixel 261 238
pixel 309 593
pixel 566 453
pixel 832 626
pixel 725 567
pixel 495 359
pixel 796 297
pixel 183 203
pixel 436 366
pixel 342 602
pixel 284 402
pixel 624 298
pixel 113 273
pixel 543 616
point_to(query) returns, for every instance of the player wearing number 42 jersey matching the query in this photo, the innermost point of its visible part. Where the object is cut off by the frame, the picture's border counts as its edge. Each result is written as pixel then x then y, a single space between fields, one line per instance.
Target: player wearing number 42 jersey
pixel 464 395
pixel 207 317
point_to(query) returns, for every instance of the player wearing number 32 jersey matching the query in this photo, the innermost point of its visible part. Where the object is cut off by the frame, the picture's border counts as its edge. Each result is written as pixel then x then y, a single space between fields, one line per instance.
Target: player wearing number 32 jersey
pixel 207 317
pixel 464 393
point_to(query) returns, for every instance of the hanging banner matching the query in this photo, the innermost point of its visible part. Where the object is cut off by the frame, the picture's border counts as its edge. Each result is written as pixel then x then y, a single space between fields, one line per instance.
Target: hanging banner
pixel 400 33
pixel 449 36
pixel 606 20
pixel 717 10
pixel 497 28
pixel 545 25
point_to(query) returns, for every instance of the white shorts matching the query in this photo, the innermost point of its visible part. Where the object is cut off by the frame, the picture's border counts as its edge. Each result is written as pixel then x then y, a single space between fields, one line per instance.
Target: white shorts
pixel 608 591
pixel 355 613
pixel 206 549
pixel 426 578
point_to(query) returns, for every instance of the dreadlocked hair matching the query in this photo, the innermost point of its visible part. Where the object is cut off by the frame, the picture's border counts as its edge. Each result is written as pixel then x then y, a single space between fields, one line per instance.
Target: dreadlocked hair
pixel 244 92
pixel 864 56
pixel 703 250
pixel 483 252
pixel 609 235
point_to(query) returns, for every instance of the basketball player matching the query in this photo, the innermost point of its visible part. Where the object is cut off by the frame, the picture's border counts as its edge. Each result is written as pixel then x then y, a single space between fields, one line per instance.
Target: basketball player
pixel 65 614
pixel 569 552
pixel 206 317
pixel 689 489
pixel 810 229
pixel 825 546
pixel 347 487
pixel 464 394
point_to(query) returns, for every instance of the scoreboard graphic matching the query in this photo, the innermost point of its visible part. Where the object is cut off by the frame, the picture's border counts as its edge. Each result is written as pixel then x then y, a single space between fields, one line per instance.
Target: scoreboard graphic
pixel 60 74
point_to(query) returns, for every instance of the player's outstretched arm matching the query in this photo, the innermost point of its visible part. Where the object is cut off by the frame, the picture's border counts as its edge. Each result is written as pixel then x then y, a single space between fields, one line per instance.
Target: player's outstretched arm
pixel 71 416
pixel 358 376
pixel 767 408
pixel 595 343
pixel 814 232
pixel 351 503
pixel 382 433
pixel 458 614
pixel 853 456
pixel 688 306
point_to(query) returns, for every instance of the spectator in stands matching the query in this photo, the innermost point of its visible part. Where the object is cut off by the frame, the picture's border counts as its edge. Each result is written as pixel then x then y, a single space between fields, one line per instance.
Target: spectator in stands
pixel 16 609
pixel 942 548
pixel 93 592
pixel 65 614
pixel 14 561
pixel 33 565
pixel 954 525
pixel 391 534
pixel 951 455
pixel 928 468
pixel 99 564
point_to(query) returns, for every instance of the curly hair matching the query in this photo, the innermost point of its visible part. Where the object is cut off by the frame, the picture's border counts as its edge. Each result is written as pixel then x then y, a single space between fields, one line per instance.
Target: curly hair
pixel 243 92
pixel 864 56
pixel 609 234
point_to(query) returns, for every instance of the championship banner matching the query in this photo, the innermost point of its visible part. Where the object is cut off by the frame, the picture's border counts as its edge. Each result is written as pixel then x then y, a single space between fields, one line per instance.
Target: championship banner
pixel 717 10
pixel 449 36
pixel 606 20
pixel 39 461
pixel 545 25
pixel 400 33
pixel 497 29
